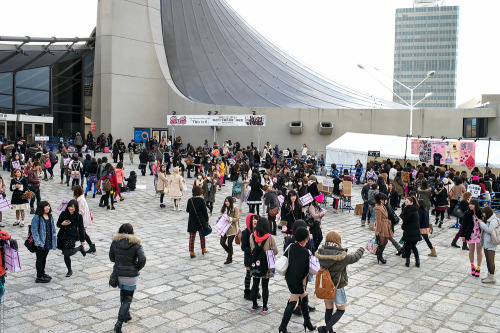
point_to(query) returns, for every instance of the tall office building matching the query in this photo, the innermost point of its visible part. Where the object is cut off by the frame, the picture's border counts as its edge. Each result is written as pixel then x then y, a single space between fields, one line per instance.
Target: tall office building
pixel 426 40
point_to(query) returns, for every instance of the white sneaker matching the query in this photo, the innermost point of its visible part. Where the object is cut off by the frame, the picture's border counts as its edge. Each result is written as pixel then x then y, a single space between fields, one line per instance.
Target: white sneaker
pixel 21 224
pixel 489 279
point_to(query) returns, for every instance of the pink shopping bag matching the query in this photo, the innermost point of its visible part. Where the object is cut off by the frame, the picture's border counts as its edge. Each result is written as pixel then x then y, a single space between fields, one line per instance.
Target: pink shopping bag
pixel 12 262
pixel 271 259
pixel 223 224
pixel 4 204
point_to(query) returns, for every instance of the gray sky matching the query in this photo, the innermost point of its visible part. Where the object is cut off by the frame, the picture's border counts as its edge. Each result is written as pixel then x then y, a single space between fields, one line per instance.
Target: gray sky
pixel 331 37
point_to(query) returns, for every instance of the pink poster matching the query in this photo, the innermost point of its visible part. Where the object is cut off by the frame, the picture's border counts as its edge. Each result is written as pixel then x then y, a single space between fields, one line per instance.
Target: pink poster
pixel 438 152
pixel 467 150
pixel 414 146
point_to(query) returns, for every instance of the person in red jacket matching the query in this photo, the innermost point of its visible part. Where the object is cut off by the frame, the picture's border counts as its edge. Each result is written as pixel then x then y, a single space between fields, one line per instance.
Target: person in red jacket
pixel 111 175
pixel 4 237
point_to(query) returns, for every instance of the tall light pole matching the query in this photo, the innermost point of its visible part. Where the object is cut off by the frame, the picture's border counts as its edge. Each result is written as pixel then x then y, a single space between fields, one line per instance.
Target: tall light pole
pixel 411 104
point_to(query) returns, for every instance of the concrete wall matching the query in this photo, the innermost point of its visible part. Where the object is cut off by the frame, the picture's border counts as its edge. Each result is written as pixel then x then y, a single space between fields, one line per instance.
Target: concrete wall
pixel 133 88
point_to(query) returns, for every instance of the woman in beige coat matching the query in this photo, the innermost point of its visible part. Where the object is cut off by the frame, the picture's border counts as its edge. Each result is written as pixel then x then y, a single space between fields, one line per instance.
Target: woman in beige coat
pixel 226 241
pixel 162 183
pixel 175 187
pixel 383 229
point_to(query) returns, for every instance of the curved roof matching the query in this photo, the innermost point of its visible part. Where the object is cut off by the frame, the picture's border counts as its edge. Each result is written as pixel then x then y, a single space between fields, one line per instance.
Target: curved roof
pixel 215 57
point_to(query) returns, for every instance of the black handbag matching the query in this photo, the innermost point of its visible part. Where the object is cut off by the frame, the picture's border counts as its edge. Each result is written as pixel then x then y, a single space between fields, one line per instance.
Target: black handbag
pixel 457 212
pixel 113 280
pixel 392 215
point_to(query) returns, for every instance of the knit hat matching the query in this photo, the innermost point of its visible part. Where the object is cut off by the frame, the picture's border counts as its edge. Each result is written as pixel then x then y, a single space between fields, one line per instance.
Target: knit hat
pixel 319 198
pixel 475 178
pixel 333 237
pixel 301 234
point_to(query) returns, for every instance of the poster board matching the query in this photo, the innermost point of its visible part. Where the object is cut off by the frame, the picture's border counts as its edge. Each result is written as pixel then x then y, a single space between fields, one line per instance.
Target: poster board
pixel 306 199
pixel 452 153
pixel 438 147
pixel 467 153
pixel 414 146
pixel 425 150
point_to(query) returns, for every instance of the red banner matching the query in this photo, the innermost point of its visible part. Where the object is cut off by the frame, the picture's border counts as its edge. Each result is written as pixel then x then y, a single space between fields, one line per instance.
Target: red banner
pixel 93 126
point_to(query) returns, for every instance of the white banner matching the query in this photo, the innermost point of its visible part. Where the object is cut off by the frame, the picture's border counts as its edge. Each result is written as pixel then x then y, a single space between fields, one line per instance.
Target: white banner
pixel 218 120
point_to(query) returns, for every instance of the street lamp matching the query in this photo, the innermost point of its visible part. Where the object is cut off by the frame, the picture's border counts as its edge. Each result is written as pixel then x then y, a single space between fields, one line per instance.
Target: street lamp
pixel 411 104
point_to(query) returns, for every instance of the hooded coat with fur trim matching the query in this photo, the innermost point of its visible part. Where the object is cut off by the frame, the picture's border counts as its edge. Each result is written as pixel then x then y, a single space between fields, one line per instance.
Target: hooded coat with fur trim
pixel 127 254
pixel 245 242
pixel 336 259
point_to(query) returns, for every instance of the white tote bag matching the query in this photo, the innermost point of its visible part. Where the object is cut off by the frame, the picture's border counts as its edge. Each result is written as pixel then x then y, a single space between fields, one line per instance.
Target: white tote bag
pixel 281 265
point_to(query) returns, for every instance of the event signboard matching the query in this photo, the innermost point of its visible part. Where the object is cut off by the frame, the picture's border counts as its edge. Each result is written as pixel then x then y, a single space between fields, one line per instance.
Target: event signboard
pixel 438 152
pixel 93 126
pixel 414 146
pixel 425 150
pixel 141 135
pixel 216 120
pixel 467 152
pixel 452 153
pixel 475 190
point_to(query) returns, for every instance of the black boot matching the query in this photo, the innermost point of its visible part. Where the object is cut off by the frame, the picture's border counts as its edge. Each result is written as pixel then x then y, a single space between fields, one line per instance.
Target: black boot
pixel 407 264
pixel 92 248
pixel 123 313
pixel 82 250
pixel 454 244
pixel 304 304
pixel 465 247
pixel 287 314
pixel 417 258
pixel 380 251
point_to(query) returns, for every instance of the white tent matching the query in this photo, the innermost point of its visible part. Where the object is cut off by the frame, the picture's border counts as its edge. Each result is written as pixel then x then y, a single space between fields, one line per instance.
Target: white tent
pixel 353 146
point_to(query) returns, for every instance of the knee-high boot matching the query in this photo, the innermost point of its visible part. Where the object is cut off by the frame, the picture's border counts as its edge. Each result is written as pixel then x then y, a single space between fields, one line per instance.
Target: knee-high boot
pixel 417 257
pixel 126 300
pixel 380 252
pixel 287 314
pixel 305 313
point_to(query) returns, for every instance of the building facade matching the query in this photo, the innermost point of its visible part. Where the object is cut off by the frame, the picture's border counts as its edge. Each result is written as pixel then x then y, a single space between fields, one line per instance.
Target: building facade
pixel 426 39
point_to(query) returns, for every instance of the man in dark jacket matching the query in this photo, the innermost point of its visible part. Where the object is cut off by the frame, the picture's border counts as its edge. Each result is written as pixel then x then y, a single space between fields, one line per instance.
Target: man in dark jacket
pixel 364 196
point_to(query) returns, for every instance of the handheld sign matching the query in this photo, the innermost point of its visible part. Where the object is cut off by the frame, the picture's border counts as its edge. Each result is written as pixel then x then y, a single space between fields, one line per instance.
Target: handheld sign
pixel 374 153
pixel 475 190
pixel 306 199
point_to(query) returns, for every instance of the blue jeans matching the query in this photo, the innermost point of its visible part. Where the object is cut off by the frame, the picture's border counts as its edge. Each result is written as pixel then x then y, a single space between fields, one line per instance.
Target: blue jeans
pixel 89 185
pixel 365 210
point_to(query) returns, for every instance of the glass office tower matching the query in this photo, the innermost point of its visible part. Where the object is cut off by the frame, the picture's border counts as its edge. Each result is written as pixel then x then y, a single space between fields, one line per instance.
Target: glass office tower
pixel 426 39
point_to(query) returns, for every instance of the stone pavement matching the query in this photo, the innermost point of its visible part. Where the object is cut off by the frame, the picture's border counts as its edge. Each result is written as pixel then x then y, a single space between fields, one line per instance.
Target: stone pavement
pixel 179 294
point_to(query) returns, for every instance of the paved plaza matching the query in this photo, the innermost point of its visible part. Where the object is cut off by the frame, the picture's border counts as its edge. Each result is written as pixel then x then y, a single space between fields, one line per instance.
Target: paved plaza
pixel 179 294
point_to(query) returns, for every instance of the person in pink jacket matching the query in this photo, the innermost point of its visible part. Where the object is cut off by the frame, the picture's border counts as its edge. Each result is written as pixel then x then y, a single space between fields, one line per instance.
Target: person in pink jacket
pixel 120 175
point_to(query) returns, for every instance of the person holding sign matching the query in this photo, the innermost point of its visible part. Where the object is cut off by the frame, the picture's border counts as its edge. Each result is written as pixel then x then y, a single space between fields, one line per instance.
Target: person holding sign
pixel 226 240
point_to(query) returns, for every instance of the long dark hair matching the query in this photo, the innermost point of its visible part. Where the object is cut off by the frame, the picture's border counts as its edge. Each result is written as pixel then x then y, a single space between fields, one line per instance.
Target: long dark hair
pixel 73 203
pixel 41 207
pixel 288 200
pixel 230 208
pixel 477 208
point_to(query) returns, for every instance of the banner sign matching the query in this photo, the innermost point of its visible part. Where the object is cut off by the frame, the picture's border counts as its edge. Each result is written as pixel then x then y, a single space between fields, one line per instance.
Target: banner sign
pixel 141 135
pixel 424 150
pixel 414 146
pixel 452 153
pixel 374 153
pixel 216 120
pixel 93 126
pixel 438 148
pixel 41 138
pixel 467 153
pixel 475 190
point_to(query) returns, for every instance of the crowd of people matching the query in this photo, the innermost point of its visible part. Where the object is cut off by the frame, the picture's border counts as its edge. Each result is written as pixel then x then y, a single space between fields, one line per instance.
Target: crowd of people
pixel 278 189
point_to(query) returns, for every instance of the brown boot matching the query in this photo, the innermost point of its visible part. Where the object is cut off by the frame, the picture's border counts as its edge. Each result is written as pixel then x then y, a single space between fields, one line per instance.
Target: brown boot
pixel 204 251
pixel 192 254
pixel 433 253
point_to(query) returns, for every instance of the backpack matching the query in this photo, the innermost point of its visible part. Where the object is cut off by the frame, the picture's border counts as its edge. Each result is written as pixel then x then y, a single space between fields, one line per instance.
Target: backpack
pixel 75 173
pixel 259 266
pixel 48 164
pixel 106 185
pixel 325 289
pixel 236 188
pixel 495 235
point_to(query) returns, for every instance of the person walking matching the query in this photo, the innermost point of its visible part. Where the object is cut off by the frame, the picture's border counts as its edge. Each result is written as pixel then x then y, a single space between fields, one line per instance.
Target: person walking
pixel 411 230
pixel 34 185
pixel 84 210
pixel 464 206
pixel 19 186
pixel 209 190
pixel 198 218
pixel 78 141
pixel 75 170
pixel 128 256
pixel 364 196
pixel 255 197
pixel 383 229
pixel 272 206
pixel 291 211
pixel 120 175
pixel 296 276
pixel 471 232
pixel 423 213
pixel 333 257
pixel 44 237
pixel 176 187
pixel 131 151
pixel 92 177
pixel 441 204
pixel 70 224
pixel 226 241
pixel 316 213
pixel 251 223
pixel 490 225
pixel 261 241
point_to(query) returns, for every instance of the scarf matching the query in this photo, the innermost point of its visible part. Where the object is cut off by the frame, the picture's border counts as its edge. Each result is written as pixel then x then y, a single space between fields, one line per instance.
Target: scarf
pixel 260 239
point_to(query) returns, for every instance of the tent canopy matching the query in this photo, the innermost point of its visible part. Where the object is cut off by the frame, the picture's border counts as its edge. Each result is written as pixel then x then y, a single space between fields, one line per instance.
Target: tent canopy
pixel 353 146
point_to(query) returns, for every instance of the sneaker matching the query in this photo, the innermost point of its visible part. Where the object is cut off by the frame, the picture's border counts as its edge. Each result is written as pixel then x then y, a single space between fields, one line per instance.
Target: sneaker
pixel 121 199
pixel 265 309
pixel 253 308
pixel 16 223
pixel 2 225
pixel 476 272
pixel 22 225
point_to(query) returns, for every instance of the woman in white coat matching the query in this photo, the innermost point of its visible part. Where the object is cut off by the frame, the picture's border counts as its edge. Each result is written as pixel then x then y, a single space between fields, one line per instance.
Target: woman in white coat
pixel 175 187
pixel 83 209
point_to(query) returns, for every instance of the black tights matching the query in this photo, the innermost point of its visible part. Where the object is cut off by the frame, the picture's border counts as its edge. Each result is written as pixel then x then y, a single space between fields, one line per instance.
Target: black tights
pixel 248 278
pixel 67 254
pixel 87 238
pixel 229 246
pixel 490 260
pixel 210 206
pixel 426 239
pixel 440 213
pixel 255 291
pixel 253 208
pixel 41 259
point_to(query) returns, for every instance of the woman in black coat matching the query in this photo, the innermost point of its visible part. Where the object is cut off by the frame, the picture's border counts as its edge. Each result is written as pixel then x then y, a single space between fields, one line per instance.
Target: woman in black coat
pixel 251 222
pixel 411 229
pixel 255 197
pixel 127 254
pixel 143 161
pixel 291 211
pixel 198 217
pixel 296 279
pixel 71 229
pixel 18 186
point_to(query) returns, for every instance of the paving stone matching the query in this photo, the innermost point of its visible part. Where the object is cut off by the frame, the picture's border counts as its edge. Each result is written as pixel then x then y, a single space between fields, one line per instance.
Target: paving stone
pixel 176 293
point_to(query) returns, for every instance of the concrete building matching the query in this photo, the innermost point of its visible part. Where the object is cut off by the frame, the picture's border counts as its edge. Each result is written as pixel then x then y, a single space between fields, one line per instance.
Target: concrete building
pixel 426 39
pixel 154 57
